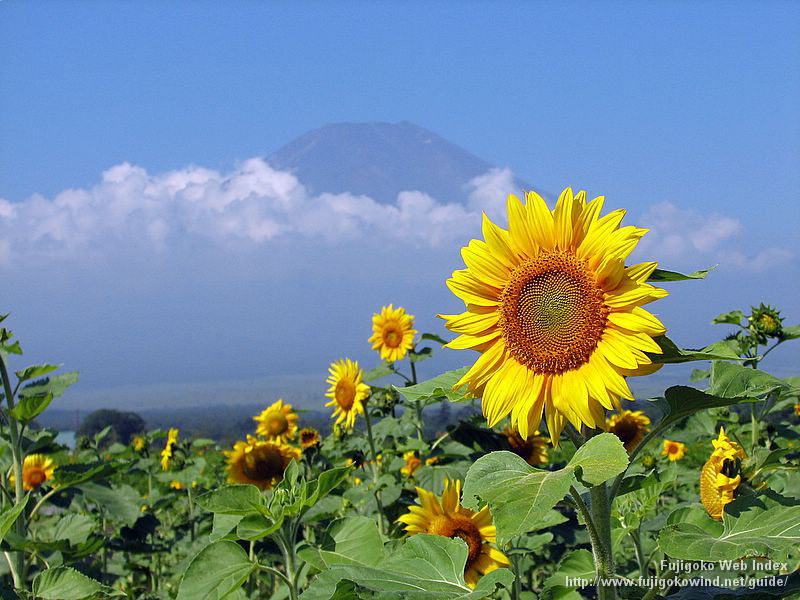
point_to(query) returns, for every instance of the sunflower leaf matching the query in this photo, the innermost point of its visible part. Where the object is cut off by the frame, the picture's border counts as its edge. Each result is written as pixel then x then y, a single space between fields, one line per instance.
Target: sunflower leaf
pixel 730 380
pixel 218 569
pixel 238 500
pixel 672 354
pixel 520 496
pixel 9 516
pixel 578 564
pixel 680 401
pixel 436 388
pixel 661 275
pixel 751 526
pixel 65 583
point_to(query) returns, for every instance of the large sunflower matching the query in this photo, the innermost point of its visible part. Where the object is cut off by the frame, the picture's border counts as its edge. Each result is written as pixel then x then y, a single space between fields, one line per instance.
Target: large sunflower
pixel 555 314
pixel 277 422
pixel 259 462
pixel 721 475
pixel 449 519
pixel 392 333
pixel 36 469
pixel 347 392
pixel 630 426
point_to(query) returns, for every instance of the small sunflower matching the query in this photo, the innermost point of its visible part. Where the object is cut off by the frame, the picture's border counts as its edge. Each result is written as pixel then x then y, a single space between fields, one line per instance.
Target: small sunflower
pixel 555 314
pixel 176 485
pixel 721 475
pixel 259 462
pixel 392 333
pixel 673 450
pixel 533 450
pixel 36 469
pixel 347 392
pixel 277 422
pixel 630 426
pixel 166 453
pixel 432 460
pixel 139 442
pixel 797 409
pixel 412 463
pixel 308 437
pixel 449 519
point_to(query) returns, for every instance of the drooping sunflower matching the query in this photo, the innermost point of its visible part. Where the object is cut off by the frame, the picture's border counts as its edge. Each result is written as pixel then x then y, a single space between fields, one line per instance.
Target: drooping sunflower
pixel 412 463
pixel 260 462
pixel 347 392
pixel 721 475
pixel 533 450
pixel 392 333
pixel 308 437
pixel 166 453
pixel 555 314
pixel 36 469
pixel 449 519
pixel 673 450
pixel 277 422
pixel 630 426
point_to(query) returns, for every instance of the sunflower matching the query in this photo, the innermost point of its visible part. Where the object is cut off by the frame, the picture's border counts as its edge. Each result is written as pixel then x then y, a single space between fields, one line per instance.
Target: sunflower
pixel 308 437
pixel 277 422
pixel 797 409
pixel 392 333
pixel 721 475
pixel 166 453
pixel 449 519
pixel 412 463
pixel 766 321
pixel 630 426
pixel 177 485
pixel 555 314
pixel 673 450
pixel 36 469
pixel 533 450
pixel 347 392
pixel 139 442
pixel 259 462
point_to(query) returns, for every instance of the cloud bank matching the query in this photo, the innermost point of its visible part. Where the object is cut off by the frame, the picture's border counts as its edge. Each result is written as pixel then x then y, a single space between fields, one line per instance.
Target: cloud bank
pixel 133 210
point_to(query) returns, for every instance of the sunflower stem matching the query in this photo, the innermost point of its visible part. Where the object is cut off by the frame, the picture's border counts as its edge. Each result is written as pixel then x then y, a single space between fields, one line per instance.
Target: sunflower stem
pixel 603 553
pixel 371 440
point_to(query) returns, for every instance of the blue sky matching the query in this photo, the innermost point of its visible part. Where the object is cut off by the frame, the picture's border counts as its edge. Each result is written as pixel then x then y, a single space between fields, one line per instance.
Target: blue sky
pixel 684 112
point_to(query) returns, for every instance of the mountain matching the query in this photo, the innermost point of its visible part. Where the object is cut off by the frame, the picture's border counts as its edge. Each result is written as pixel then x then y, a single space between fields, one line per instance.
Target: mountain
pixel 380 160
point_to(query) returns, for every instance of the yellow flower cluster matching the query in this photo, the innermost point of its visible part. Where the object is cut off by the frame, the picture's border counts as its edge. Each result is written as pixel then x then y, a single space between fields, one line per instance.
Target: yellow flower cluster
pixel 167 453
pixel 721 475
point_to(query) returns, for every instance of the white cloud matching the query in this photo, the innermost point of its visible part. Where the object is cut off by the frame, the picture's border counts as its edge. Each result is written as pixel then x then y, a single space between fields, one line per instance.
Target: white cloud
pixel 488 192
pixel 686 234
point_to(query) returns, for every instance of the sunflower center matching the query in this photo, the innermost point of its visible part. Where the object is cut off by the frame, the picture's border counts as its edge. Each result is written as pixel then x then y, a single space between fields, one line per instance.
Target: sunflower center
pixel 36 477
pixel 277 424
pixel 552 313
pixel 454 526
pixel 392 335
pixel 626 430
pixel 263 463
pixel 345 394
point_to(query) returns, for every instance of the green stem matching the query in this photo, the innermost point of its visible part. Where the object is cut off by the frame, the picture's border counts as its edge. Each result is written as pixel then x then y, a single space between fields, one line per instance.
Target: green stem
pixel 41 502
pixel 636 536
pixel 597 544
pixel 374 467
pixel 516 590
pixel 604 556
pixel 287 549
pixel 754 427
pixel 191 508
pixel 16 452
pixel 276 573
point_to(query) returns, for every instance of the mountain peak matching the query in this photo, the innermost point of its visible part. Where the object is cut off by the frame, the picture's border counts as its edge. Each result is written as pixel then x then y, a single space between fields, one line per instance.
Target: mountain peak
pixel 379 160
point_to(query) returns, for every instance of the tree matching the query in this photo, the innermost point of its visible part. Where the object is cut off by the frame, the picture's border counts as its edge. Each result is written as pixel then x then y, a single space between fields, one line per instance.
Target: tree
pixel 123 424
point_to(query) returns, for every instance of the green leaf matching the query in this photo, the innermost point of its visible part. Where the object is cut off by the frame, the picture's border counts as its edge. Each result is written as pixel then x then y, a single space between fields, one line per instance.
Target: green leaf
pixel 354 540
pixel 218 570
pixel 55 385
pixel 239 500
pixel 438 387
pixel 70 475
pixel 680 401
pixel 379 372
pixel 424 567
pixel 75 528
pixel 790 332
pixel 9 516
pixel 327 482
pixel 223 525
pixel 751 526
pixel 730 380
pixel 30 407
pixel 521 496
pixel 256 527
pixel 671 354
pixel 576 564
pixel 35 371
pixel 661 275
pixel 434 338
pixel 733 317
pixel 65 583
pixel 120 502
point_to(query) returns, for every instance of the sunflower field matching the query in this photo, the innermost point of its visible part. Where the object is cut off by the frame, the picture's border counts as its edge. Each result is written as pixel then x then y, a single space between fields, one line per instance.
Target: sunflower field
pixel 556 484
